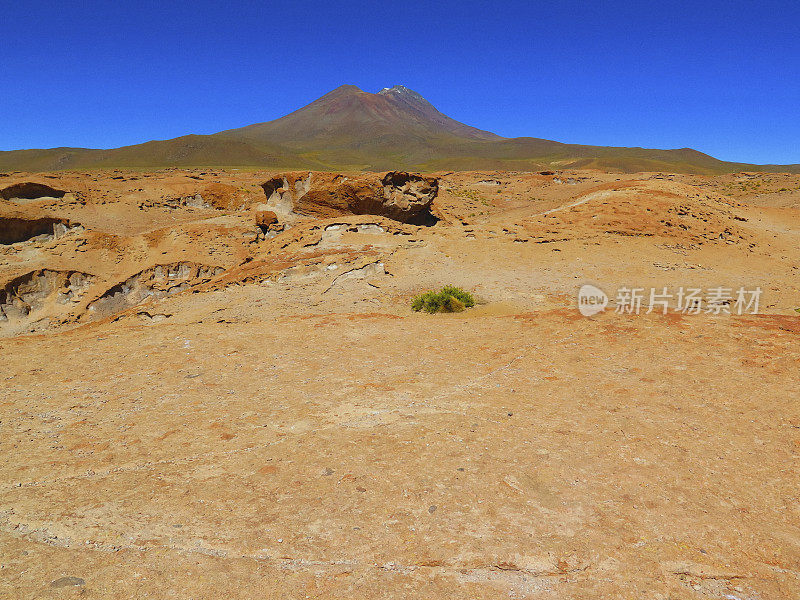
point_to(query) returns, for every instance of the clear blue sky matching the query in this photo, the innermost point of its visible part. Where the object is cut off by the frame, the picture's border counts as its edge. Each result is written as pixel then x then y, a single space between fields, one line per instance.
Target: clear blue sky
pixel 721 77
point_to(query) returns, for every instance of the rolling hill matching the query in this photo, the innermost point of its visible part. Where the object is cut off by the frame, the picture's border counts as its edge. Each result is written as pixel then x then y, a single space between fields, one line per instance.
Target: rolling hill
pixel 349 129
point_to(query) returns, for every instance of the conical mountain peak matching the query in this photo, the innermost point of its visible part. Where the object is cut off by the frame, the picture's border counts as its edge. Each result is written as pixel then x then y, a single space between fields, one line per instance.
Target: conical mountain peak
pixel 348 117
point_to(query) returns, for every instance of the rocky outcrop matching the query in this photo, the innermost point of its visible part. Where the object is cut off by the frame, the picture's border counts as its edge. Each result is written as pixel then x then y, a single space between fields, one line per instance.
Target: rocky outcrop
pixel 284 190
pixel 265 219
pixel 32 291
pixel 267 223
pixel 156 282
pixel 219 196
pixel 15 229
pixel 29 190
pixel 340 196
pixel 400 196
pixel 222 196
pixel 408 195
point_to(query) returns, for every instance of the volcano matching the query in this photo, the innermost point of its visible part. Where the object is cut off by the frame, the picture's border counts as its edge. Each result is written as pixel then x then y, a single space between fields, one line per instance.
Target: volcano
pixel 351 117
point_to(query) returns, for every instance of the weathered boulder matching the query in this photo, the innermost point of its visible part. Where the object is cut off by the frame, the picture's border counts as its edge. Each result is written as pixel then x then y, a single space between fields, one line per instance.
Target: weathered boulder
pixel 267 223
pixel 408 195
pixel 401 196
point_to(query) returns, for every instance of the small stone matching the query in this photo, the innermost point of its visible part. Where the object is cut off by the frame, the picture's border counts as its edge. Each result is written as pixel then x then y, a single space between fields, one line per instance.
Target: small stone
pixel 432 508
pixel 66 582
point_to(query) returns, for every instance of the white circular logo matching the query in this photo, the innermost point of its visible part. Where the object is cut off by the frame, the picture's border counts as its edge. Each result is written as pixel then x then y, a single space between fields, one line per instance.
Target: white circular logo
pixel 591 300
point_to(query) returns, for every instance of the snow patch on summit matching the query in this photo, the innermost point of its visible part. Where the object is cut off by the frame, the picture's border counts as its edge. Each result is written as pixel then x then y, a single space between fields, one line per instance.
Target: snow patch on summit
pixel 401 90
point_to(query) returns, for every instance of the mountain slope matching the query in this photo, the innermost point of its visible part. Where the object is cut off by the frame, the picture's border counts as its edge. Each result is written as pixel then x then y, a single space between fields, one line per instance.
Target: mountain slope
pixel 349 129
pixel 184 151
pixel 344 115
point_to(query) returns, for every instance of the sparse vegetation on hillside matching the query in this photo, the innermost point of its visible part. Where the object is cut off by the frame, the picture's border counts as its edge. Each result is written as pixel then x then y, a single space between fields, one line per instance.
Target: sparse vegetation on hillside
pixel 470 195
pixel 448 299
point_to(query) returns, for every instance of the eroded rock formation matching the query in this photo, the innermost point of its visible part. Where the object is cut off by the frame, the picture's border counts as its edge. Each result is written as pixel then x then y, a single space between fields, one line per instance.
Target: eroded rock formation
pixel 401 196
pixel 265 219
pixel 156 282
pixel 25 294
pixel 219 196
pixel 29 190
pixel 408 196
pixel 23 229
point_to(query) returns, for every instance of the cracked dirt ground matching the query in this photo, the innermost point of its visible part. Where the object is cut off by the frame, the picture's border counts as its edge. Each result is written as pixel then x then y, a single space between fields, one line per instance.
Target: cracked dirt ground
pixel 282 431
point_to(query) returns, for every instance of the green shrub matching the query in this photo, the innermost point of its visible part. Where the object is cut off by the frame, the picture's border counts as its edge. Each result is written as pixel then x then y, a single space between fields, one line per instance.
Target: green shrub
pixel 448 299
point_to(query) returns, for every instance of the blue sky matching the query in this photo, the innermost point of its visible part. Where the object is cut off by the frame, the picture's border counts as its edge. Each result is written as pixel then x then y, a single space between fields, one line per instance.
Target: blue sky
pixel 721 77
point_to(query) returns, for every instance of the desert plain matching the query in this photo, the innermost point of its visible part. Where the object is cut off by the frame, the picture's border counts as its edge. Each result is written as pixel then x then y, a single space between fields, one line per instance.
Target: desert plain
pixel 213 385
